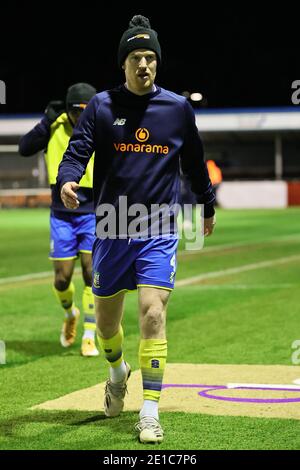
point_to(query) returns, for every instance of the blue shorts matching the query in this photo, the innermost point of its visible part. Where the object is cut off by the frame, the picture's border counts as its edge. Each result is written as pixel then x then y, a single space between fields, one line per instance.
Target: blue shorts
pixel 125 264
pixel 71 234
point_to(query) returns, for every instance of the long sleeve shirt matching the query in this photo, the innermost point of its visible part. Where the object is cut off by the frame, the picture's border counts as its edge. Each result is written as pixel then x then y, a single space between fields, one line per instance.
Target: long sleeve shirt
pixel 139 144
pixel 53 139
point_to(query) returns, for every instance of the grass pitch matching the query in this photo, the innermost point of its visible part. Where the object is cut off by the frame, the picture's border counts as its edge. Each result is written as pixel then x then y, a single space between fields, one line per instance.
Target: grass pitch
pixel 247 317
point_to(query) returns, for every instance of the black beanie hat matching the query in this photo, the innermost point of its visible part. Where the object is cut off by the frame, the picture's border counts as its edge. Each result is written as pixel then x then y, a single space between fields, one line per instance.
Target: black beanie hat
pixel 80 93
pixel 139 35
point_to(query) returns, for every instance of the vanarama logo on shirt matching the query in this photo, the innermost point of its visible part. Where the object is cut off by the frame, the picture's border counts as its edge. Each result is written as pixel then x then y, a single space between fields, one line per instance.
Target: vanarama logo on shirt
pixel 142 135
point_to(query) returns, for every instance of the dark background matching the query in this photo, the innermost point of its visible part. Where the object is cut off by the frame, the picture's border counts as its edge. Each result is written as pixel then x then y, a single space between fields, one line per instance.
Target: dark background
pixel 236 57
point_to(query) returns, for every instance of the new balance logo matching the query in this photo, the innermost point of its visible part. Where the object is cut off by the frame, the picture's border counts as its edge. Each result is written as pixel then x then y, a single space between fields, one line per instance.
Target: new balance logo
pixel 119 122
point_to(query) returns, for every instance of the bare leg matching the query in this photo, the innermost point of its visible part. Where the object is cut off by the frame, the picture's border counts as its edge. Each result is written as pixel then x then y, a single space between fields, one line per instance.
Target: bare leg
pixel 63 272
pixel 109 313
pixel 152 358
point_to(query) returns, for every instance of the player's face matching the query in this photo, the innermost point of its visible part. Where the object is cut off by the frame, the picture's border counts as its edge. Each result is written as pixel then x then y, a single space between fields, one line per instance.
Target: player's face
pixel 75 113
pixel 140 71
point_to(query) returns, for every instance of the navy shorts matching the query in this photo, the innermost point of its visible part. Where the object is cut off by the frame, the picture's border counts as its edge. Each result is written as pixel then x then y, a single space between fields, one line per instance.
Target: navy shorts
pixel 125 264
pixel 71 234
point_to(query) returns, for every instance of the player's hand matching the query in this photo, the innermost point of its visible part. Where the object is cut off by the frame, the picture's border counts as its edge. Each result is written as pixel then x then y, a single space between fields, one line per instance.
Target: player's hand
pixel 54 109
pixel 68 195
pixel 209 225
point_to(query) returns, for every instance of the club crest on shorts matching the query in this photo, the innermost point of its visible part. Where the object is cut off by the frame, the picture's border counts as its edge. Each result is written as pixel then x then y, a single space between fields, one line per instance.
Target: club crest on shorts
pixel 96 281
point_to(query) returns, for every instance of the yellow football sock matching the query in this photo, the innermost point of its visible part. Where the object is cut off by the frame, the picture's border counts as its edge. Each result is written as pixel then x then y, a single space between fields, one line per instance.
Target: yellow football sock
pixel 152 358
pixel 66 297
pixel 112 348
pixel 88 306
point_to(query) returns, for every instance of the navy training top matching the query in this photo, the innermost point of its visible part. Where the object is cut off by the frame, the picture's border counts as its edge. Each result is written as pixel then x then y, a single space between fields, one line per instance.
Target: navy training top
pixel 139 143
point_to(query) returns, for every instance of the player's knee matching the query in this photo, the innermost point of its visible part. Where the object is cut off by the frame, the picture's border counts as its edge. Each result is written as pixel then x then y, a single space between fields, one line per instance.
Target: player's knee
pixel 153 319
pixel 62 282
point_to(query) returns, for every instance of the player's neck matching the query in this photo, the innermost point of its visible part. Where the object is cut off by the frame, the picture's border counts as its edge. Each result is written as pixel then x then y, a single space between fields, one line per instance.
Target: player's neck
pixel 152 89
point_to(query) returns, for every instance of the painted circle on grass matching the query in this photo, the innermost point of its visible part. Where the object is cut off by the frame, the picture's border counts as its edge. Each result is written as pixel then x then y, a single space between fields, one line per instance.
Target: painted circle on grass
pixel 212 388
pixel 206 394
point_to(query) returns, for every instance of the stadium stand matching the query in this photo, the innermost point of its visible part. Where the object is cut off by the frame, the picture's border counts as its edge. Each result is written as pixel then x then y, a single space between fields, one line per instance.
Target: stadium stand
pixel 257 146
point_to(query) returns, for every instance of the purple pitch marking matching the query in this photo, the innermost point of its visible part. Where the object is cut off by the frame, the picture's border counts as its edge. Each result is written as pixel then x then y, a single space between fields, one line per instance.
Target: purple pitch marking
pixel 205 394
pixel 192 386
pixel 210 388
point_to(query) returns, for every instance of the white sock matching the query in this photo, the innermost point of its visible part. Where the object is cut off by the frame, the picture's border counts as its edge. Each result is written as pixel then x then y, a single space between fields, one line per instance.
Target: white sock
pixel 89 334
pixel 71 314
pixel 118 374
pixel 150 408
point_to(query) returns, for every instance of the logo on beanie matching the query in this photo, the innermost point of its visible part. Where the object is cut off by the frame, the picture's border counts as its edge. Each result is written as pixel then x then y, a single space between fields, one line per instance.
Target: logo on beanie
pixel 142 134
pixel 139 36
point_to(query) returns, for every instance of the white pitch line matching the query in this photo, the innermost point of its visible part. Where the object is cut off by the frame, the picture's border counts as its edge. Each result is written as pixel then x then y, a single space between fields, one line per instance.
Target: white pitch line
pixel 29 277
pixel 25 277
pixel 182 282
pixel 225 246
pixel 238 269
pixel 244 286
pixel 272 386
